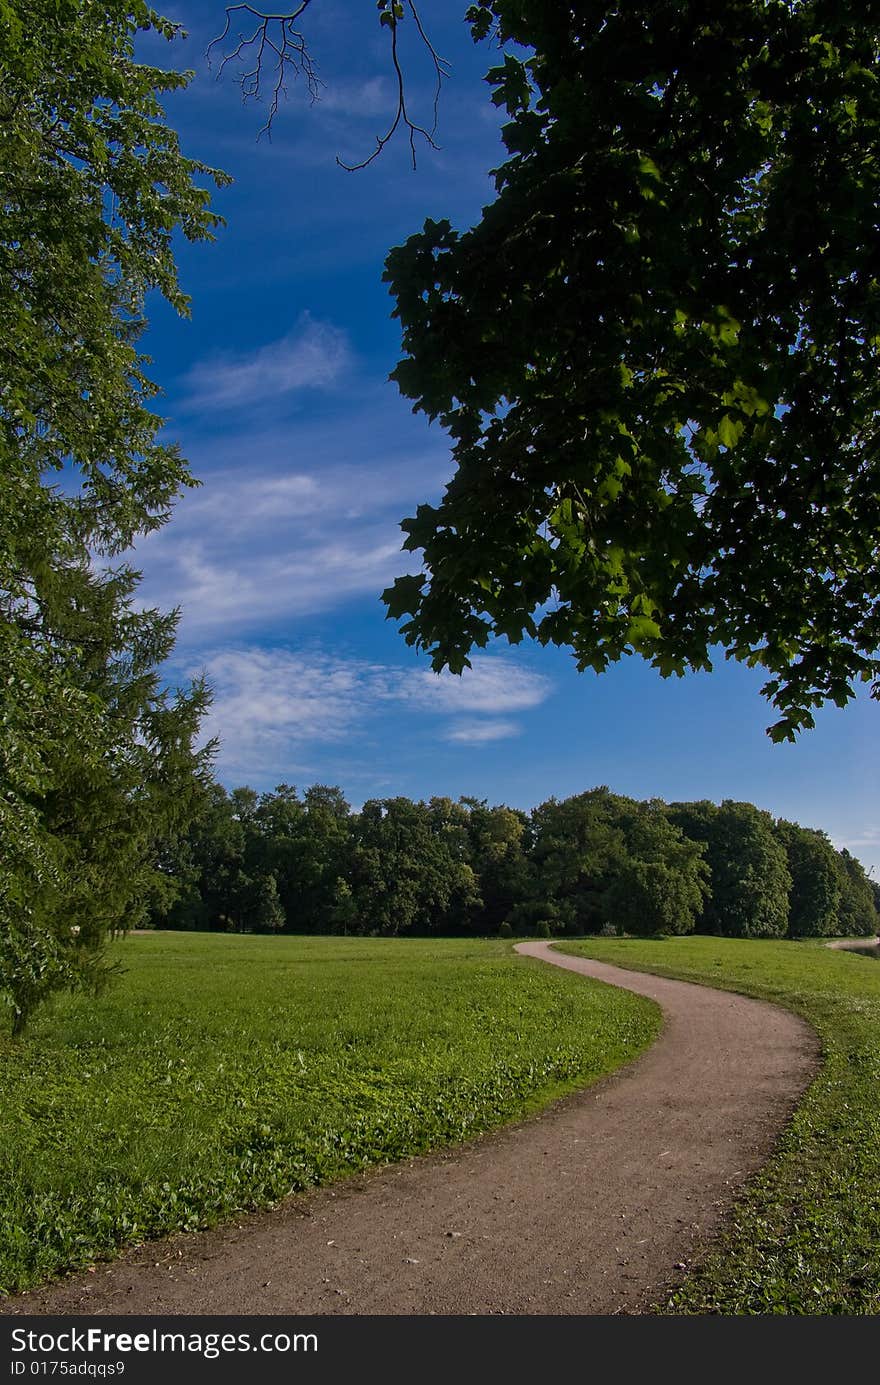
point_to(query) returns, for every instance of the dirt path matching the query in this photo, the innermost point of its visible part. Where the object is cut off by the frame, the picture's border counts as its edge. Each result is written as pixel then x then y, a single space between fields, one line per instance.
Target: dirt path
pixel 868 946
pixel 592 1207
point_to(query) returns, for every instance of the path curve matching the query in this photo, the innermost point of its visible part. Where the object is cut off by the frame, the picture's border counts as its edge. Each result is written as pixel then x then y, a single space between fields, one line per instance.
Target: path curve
pixel 594 1206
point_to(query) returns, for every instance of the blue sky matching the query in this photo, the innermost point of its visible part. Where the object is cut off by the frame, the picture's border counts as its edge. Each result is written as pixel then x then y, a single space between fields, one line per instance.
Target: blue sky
pixel 277 390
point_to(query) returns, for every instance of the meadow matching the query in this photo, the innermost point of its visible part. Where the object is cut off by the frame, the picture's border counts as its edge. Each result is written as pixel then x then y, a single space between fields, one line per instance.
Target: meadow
pixel 805 1237
pixel 221 1073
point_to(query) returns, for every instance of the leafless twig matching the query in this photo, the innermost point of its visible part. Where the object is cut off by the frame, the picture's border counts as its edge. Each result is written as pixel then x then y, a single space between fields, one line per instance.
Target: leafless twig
pixel 274 44
pixel 273 39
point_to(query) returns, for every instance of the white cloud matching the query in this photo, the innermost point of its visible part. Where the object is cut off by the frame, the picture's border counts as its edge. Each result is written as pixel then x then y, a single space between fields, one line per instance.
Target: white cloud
pixel 865 841
pixel 313 356
pixel 480 732
pixel 253 546
pixel 270 707
pixel 493 684
pixel 869 836
pixel 277 710
pixel 369 98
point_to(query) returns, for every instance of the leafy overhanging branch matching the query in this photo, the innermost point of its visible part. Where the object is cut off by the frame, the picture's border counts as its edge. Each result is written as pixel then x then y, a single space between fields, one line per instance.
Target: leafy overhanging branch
pixel 656 352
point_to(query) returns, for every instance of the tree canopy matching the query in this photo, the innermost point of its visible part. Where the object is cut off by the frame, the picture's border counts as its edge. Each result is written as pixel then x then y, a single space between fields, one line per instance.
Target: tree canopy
pixel 97 759
pixel 656 353
pixel 751 882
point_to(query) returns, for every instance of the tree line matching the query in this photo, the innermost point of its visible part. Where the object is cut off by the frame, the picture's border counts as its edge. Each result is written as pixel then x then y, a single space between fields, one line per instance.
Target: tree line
pixel 597 862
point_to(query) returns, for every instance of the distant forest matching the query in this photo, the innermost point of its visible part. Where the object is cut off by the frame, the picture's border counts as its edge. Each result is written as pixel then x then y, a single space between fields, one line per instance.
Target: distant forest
pixel 286 862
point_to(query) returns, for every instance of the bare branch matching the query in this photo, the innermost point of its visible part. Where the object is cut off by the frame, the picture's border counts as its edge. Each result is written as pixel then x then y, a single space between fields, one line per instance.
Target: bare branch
pixel 273 45
pixel 441 70
pixel 272 34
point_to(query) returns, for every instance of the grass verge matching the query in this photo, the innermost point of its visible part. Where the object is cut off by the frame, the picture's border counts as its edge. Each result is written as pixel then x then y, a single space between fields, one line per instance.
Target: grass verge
pixel 805 1237
pixel 222 1073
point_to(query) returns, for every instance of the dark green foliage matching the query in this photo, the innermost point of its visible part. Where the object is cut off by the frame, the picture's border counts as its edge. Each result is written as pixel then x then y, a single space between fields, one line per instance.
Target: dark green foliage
pixel 306 843
pixel 814 902
pixel 576 850
pixel 657 351
pixel 208 863
pixel 242 840
pixel 410 870
pixel 649 898
pixel 663 880
pixel 97 767
pixel 499 856
pixel 750 880
pixel 857 915
pixel 597 862
pixel 268 915
pixel 540 918
pixel 608 860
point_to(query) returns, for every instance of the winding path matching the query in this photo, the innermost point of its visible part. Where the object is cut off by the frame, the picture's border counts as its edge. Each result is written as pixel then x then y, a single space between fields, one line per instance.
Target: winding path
pixel 592 1207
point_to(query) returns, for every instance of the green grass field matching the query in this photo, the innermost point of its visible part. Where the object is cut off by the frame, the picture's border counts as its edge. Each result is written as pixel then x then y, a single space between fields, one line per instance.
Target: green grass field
pixel 806 1236
pixel 221 1073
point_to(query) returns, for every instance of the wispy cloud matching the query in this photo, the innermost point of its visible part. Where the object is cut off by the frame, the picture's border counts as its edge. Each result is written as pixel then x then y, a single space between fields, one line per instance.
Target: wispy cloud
pixel 276 711
pixel 480 732
pixel 368 98
pixel 493 684
pixel 868 837
pixel 312 356
pixel 272 709
pixel 265 544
